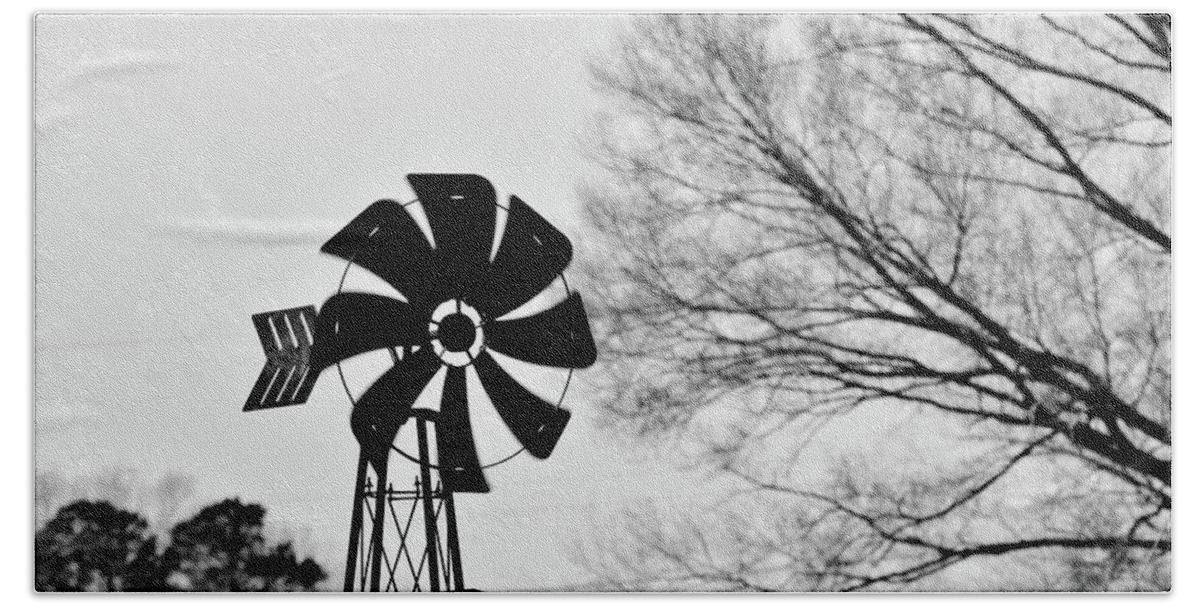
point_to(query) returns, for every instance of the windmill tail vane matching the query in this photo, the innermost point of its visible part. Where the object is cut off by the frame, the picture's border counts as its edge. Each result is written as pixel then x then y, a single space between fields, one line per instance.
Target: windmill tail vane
pixel 287 378
pixel 455 315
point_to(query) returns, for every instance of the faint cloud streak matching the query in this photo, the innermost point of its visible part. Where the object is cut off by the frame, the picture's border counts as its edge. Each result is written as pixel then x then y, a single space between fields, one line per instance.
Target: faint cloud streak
pixel 259 231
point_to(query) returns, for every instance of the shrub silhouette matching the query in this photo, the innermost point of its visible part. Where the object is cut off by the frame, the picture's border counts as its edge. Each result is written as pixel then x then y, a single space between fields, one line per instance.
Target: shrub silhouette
pixel 94 546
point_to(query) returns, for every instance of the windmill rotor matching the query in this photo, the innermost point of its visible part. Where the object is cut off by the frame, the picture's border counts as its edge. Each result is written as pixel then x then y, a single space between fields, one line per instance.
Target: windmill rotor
pixel 453 317
pixel 463 297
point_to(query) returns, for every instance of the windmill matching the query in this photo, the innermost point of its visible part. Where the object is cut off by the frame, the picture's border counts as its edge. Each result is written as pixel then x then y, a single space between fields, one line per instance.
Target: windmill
pixel 460 303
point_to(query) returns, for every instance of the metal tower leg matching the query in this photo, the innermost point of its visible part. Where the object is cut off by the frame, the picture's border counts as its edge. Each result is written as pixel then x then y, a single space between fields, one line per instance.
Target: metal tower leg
pixel 386 560
pixel 381 503
pixel 431 531
pixel 356 523
pixel 452 541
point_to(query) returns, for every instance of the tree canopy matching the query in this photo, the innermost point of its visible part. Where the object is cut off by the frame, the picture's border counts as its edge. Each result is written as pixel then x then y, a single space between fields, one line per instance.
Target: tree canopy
pixel 953 226
pixel 94 546
pixel 222 549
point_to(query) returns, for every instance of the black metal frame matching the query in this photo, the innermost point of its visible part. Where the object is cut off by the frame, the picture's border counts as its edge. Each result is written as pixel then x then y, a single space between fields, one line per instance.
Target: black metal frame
pixel 375 500
pixel 384 239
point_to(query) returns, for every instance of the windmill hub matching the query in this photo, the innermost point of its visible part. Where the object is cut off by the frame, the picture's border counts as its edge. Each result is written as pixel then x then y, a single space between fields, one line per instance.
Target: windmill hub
pixel 456 332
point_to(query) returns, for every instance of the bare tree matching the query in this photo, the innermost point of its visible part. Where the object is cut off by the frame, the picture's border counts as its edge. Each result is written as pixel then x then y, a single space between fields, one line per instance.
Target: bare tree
pixel 956 224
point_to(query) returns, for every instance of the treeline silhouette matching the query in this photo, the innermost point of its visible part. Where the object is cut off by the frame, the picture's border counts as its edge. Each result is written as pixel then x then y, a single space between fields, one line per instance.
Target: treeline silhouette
pixel 95 546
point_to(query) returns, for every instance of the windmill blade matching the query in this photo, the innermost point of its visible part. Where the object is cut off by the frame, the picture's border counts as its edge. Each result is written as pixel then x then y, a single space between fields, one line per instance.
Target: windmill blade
pixel 461 209
pixel 351 323
pixel 385 240
pixel 556 337
pixel 531 254
pixel 387 404
pixel 458 461
pixel 535 422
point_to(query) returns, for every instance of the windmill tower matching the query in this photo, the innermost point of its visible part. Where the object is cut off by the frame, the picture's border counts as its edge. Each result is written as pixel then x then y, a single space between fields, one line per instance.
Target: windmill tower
pixel 459 293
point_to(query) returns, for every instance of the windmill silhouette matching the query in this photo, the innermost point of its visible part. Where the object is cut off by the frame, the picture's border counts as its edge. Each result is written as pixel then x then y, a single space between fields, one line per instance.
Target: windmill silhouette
pixel 455 311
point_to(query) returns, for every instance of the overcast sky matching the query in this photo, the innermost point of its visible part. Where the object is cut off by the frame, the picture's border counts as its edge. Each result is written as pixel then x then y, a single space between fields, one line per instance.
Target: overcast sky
pixel 188 169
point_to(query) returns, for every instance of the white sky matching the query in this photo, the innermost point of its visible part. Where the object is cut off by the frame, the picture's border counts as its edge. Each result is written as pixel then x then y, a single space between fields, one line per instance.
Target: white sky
pixel 187 170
